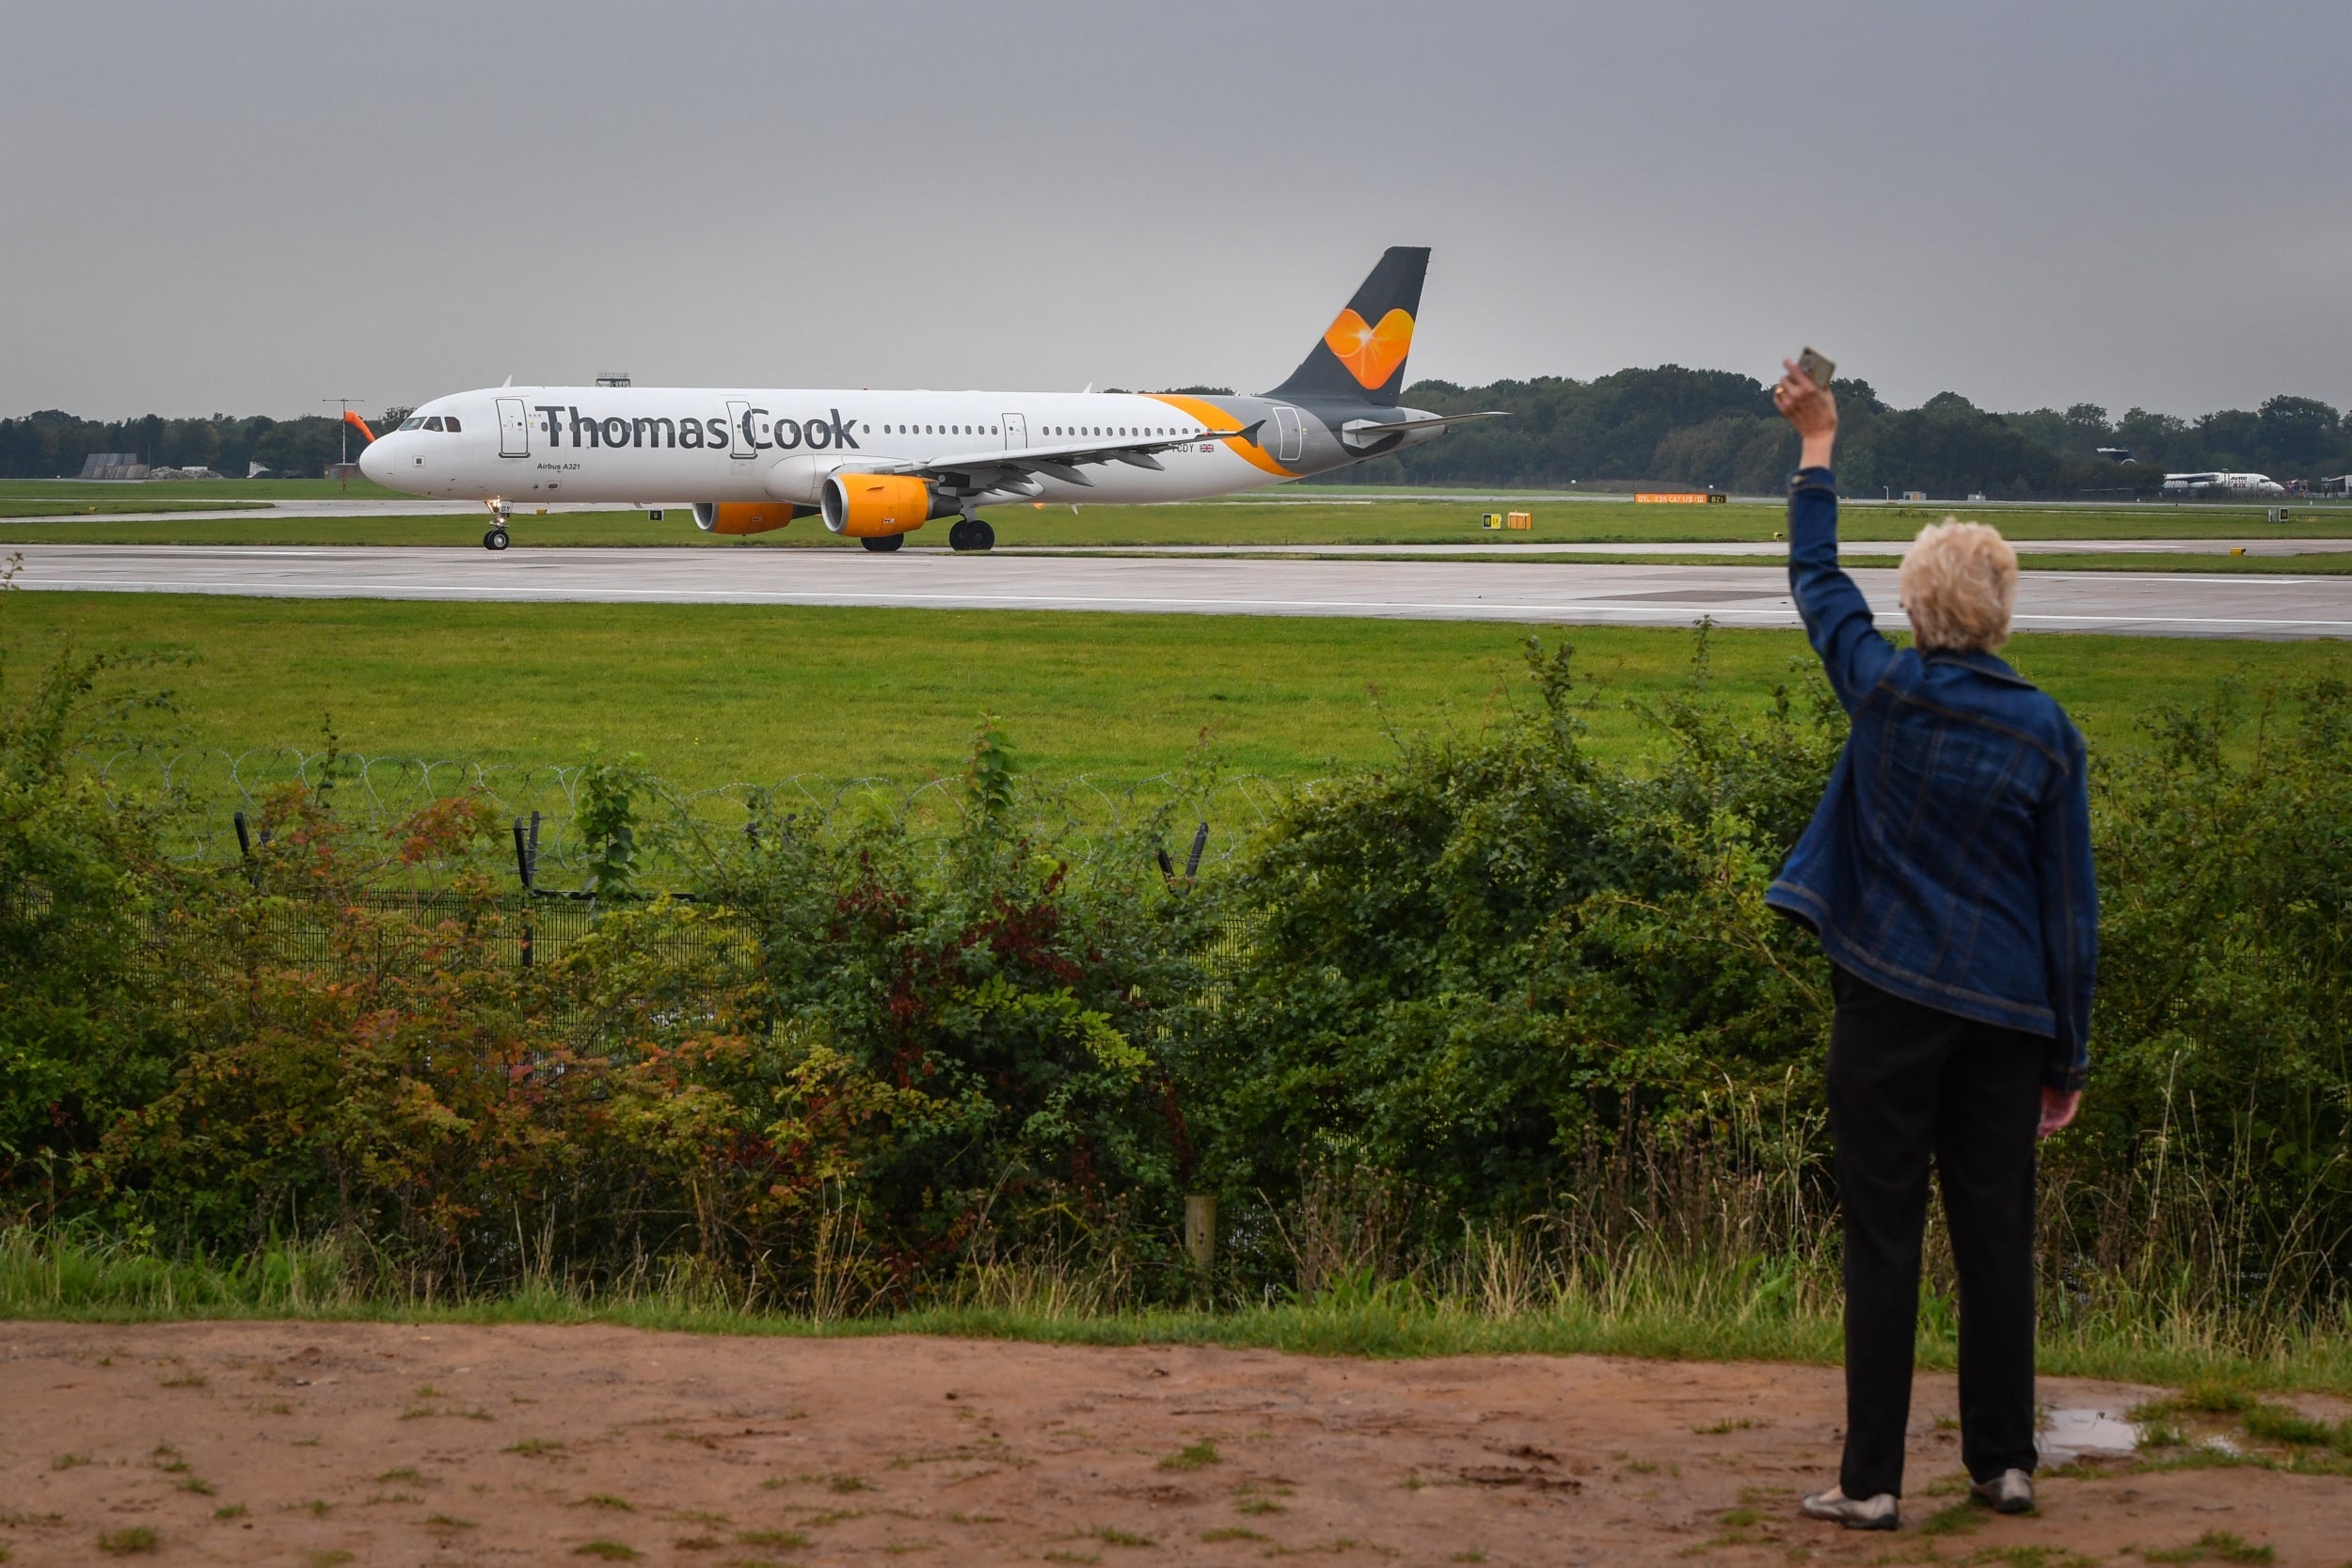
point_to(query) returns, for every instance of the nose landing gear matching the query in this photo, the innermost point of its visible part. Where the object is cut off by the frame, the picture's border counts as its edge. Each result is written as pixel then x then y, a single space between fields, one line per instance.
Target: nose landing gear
pixel 495 537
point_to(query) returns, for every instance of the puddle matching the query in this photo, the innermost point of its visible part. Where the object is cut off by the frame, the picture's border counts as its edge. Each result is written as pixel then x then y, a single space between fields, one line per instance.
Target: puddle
pixel 2072 1434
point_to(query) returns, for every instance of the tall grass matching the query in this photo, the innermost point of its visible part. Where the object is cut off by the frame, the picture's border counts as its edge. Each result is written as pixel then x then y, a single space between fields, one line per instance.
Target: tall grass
pixel 1718 1250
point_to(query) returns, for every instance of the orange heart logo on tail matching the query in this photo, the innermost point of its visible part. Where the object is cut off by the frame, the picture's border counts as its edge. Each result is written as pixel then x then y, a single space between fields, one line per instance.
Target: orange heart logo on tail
pixel 1371 353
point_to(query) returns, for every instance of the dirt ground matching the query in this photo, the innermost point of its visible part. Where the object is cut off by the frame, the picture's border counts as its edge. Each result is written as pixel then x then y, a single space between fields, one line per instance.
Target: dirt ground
pixel 319 1444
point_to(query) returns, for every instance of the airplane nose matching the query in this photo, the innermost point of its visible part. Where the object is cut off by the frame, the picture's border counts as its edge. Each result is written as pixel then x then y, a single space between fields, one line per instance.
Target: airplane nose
pixel 372 462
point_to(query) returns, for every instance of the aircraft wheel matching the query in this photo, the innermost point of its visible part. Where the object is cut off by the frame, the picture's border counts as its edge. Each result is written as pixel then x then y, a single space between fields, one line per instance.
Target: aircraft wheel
pixel 884 544
pixel 496 540
pixel 980 535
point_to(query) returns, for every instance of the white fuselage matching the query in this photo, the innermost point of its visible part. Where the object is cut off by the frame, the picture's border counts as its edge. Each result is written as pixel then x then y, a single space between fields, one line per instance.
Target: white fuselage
pixel 650 446
pixel 2216 484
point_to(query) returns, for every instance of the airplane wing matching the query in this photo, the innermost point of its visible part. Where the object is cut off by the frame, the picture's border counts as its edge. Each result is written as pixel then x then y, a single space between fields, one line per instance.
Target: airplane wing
pixel 994 470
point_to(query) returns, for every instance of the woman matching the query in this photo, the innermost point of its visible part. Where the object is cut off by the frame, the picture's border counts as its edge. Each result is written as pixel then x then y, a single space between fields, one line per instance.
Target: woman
pixel 1948 875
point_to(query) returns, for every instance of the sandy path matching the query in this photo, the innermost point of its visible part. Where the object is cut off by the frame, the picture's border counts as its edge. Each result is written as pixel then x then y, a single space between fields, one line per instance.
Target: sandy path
pixel 395 1443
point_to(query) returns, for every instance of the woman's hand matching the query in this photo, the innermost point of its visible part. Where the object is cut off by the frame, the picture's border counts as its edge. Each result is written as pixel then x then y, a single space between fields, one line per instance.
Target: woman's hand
pixel 2057 1108
pixel 1812 410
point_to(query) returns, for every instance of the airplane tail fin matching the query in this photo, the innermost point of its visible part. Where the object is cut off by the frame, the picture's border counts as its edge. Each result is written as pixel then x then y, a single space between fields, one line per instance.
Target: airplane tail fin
pixel 352 419
pixel 1362 358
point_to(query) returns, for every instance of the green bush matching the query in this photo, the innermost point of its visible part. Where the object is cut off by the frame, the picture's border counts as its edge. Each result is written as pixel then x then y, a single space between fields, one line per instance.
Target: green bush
pixel 1466 967
pixel 85 1033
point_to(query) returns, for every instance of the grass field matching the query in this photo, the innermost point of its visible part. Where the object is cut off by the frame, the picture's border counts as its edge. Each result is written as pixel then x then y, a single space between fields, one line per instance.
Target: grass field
pixel 1297 517
pixel 11 508
pixel 715 694
pixel 75 494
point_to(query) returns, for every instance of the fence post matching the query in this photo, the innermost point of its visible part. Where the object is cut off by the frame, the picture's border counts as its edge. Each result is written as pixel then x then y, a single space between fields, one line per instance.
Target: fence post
pixel 1200 1231
pixel 245 851
pixel 526 859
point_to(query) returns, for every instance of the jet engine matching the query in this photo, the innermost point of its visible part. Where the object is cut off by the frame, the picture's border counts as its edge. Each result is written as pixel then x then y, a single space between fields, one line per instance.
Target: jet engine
pixel 745 516
pixel 876 506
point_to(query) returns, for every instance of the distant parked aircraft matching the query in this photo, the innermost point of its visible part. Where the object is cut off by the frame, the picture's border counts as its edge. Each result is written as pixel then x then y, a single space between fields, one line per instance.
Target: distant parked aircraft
pixel 2216 484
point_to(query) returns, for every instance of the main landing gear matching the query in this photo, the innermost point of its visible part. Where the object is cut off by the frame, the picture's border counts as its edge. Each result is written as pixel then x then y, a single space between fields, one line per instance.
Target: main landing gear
pixel 495 538
pixel 971 533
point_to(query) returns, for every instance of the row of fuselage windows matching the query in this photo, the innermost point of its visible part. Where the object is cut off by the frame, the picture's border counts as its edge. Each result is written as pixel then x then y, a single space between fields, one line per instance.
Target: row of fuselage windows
pixel 448 422
pixel 1102 430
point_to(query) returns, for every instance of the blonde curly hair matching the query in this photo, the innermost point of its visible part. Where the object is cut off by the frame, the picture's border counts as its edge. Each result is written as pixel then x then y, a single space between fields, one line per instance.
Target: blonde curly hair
pixel 1959 583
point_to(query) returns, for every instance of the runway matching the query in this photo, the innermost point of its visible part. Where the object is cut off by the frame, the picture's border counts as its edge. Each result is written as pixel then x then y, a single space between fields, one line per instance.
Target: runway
pixel 2168 604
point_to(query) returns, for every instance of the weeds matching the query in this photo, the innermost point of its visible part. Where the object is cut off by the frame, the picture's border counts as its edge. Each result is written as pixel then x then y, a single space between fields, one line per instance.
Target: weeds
pixel 1192 1456
pixel 2213 1545
pixel 1110 1536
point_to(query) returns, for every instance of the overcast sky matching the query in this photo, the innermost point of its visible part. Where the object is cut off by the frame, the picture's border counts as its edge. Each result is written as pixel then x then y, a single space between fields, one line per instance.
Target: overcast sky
pixel 247 207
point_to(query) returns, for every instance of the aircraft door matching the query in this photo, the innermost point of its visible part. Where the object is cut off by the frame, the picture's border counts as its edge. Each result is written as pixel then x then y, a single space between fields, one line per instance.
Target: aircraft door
pixel 1016 432
pixel 514 429
pixel 739 431
pixel 1289 438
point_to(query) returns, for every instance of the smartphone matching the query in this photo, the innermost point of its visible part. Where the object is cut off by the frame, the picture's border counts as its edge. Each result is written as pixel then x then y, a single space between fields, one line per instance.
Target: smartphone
pixel 1818 367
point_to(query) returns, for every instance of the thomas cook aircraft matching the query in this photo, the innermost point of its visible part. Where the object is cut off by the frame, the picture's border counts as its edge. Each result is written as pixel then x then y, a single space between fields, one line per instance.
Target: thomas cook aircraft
pixel 877 466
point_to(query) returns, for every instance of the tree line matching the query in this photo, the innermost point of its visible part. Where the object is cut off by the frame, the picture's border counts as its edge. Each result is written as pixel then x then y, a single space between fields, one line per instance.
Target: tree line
pixel 51 444
pixel 1716 428
pixel 1666 424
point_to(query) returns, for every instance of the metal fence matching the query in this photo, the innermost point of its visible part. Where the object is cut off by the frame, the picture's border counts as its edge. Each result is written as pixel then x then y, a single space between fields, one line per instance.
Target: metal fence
pixel 1080 816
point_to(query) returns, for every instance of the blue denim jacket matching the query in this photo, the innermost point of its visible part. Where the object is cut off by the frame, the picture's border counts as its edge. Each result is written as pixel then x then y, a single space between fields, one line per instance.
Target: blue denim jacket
pixel 1949 860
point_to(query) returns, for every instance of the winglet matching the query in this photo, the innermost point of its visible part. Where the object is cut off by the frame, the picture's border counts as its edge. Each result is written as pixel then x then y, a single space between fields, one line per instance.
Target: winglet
pixel 350 418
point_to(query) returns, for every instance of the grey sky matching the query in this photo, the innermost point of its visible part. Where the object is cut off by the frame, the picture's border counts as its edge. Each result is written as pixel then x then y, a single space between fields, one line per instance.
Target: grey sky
pixel 246 207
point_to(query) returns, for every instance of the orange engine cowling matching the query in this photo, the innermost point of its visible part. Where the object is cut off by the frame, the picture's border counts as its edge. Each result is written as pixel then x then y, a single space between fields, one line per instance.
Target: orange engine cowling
pixel 874 506
pixel 745 516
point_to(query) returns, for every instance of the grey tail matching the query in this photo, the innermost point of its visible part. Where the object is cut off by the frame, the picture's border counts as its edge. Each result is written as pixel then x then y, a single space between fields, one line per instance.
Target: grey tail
pixel 1362 358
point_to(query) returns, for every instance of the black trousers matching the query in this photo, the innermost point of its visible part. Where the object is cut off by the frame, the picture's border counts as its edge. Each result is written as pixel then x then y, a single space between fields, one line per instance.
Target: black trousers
pixel 1905 1082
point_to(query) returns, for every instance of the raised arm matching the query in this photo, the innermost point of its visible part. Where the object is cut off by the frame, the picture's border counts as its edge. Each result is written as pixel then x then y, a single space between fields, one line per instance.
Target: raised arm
pixel 1837 616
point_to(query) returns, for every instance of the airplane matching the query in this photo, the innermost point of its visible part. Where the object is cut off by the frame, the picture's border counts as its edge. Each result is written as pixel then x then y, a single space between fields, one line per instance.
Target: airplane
pixel 2223 485
pixel 877 466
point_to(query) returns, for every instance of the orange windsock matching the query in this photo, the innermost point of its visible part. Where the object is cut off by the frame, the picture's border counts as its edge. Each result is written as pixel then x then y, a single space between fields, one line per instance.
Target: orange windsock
pixel 350 418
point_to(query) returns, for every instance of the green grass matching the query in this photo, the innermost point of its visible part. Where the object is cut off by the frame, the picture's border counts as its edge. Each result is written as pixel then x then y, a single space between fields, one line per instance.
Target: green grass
pixel 12 507
pixel 90 492
pixel 1295 517
pixel 455 530
pixel 1654 1307
pixel 720 693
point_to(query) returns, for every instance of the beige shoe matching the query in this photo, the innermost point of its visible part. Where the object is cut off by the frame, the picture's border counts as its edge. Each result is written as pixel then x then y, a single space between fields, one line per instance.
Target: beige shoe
pixel 1879 1512
pixel 2011 1492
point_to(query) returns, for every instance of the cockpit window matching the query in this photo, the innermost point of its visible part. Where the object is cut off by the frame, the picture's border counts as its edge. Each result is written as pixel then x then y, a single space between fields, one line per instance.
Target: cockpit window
pixel 449 425
pixel 417 423
pixel 433 423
